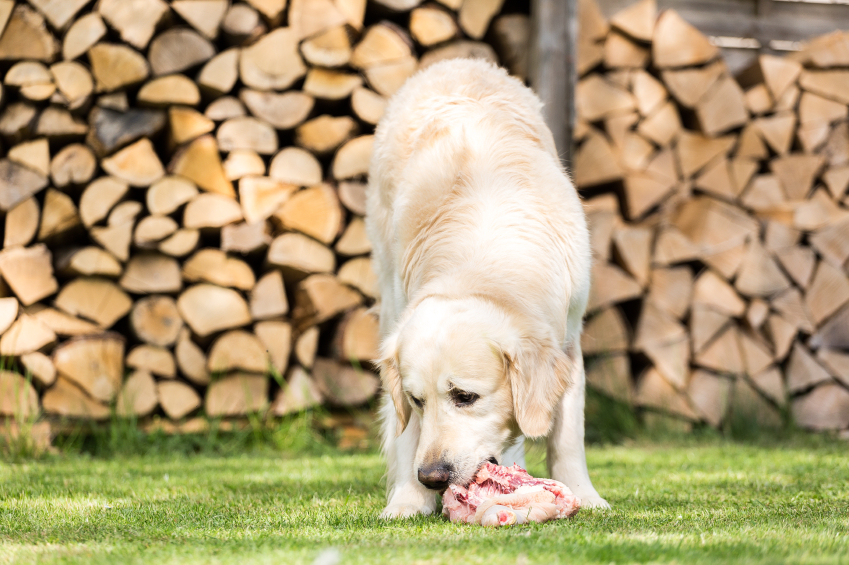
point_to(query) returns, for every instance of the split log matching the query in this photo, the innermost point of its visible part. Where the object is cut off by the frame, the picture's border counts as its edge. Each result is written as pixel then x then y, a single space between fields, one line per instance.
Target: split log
pixel 214 266
pixel 325 133
pixel 342 385
pixel 95 364
pixel 224 108
pixel 245 238
pixel 710 395
pixel 306 347
pixel 61 323
pixel 314 211
pixel 95 299
pixel 293 165
pixel 153 229
pixel 237 350
pixel 273 62
pixel 149 273
pixel 18 183
pixel 200 163
pixel 21 223
pixel 357 337
pixel 188 124
pixel 321 297
pixel 29 273
pixel 65 399
pixel 33 154
pixel 115 238
pixel 83 34
pixel 137 164
pixel 358 273
pixel 236 395
pixel 353 196
pixel 261 197
pixel 152 359
pixel 191 359
pixel 301 254
pixel 91 261
pixel 281 110
pixel 180 243
pixel 352 159
pixel 58 215
pixel 219 76
pixel 354 240
pixel 138 396
pixel 369 106
pixel 299 393
pixel 166 195
pixel 825 408
pixel 331 48
pixel 156 320
pixel 247 133
pixel 26 335
pixel 242 163
pixel 678 44
pixel 211 211
pixel 176 50
pixel 169 90
pixel 177 399
pixel 112 128
pixel 229 310
pixel 276 338
pixel 40 366
pixel 116 66
pixel 268 297
pixel 99 198
pixel 326 84
pixel 205 16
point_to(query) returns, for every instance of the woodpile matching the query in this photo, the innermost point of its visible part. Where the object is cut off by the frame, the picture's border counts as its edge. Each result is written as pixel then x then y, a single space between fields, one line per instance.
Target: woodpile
pixel 183 184
pixel 719 216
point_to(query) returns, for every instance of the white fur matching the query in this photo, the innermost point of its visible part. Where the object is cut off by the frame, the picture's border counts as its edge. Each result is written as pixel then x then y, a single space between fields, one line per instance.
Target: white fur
pixel 481 249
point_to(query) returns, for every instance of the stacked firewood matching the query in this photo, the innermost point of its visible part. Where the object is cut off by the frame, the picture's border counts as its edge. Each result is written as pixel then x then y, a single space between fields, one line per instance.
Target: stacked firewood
pixel 182 192
pixel 720 222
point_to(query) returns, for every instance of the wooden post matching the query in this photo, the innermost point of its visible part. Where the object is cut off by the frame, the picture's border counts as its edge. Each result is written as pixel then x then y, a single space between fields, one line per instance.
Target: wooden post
pixel 554 31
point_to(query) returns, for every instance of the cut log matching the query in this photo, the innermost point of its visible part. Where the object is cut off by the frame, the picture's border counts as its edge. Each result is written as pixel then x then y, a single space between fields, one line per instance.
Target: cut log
pixel 180 243
pixel 828 292
pixel 327 84
pixel 137 164
pixel 836 362
pixel 759 275
pixel 705 324
pixel 293 165
pixel 621 52
pixel 245 238
pixel 799 263
pixel 219 75
pixel 325 133
pixel 722 108
pixel 26 335
pixel 597 98
pixel 282 110
pixel 611 285
pixel 18 183
pixel 116 66
pixel 153 359
pixel 825 408
pixel 690 85
pixel 83 33
pixel 273 62
pixel 656 327
pixel 790 305
pixel 353 196
pixel 242 25
pixel 176 50
pixel 803 371
pixel 694 151
pixel 191 359
pixel 26 37
pixel 475 15
pixel 311 17
pixel 247 133
pixel 605 332
pixel 237 350
pixel 757 313
pixel 299 393
pixel 636 20
pixel 673 247
pixel 214 266
pixel 8 312
pixel 58 216
pixel 331 48
pixel 268 297
pixel 153 229
pixel 98 300
pixel 66 400
pixel 95 364
pixel 21 224
pixel 306 347
pixel 166 195
pixel 92 261
pixel 430 25
pixel 135 20
pixel 653 391
pixel 710 395
pixel 34 155
pixel 236 395
pixel 756 356
pixel 242 163
pixel 168 90
pixel 314 211
pixel 678 44
pixel 321 297
pixel 357 337
pixel 595 162
pixel 262 196
pixel 200 163
pixel 358 273
pixel 138 396
pixel 203 15
pixel 671 290
pixel 759 100
pixel 74 82
pixel 633 246
pixel 832 242
pixel 211 211
pixel 342 385
pixel 40 366
pixel 611 375
pixel 713 292
pixel 29 273
pixel 643 192
pixel 149 273
pixel 61 323
pixel 276 338
pixel 354 241
pixel 116 239
pixel 723 354
pixel 112 128
pixel 177 399
pixel 208 309
pixel 156 320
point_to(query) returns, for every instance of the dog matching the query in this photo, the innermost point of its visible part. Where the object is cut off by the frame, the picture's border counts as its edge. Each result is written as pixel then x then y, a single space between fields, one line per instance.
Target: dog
pixel 482 255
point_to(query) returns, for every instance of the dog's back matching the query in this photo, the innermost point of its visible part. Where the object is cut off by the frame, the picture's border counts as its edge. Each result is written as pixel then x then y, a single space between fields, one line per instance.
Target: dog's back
pixel 463 167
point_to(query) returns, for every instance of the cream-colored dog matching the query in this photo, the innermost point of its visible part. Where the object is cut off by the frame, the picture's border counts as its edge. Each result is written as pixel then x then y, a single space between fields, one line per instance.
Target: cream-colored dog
pixel 483 258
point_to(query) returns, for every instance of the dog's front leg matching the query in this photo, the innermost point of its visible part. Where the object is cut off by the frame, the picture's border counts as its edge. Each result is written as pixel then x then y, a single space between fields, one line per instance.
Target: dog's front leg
pixel 406 495
pixel 567 461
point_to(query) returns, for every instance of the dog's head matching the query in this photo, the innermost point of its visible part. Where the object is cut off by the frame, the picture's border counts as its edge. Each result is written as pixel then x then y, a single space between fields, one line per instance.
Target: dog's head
pixel 475 379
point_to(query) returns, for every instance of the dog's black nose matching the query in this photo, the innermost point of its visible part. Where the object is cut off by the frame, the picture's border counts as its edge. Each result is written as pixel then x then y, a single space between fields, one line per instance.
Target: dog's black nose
pixel 435 476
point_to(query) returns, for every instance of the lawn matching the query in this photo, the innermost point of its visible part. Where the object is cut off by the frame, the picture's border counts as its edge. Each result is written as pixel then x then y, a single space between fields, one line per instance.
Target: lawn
pixel 682 501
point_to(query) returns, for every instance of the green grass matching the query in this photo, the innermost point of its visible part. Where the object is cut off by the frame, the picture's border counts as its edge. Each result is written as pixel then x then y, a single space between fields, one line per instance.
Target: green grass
pixel 683 501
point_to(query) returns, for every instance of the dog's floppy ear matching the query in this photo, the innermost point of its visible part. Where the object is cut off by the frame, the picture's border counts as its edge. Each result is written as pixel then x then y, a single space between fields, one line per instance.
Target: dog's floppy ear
pixel 539 375
pixel 391 377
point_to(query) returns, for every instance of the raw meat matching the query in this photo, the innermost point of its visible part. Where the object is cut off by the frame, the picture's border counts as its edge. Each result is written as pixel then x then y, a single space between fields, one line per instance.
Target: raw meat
pixel 501 496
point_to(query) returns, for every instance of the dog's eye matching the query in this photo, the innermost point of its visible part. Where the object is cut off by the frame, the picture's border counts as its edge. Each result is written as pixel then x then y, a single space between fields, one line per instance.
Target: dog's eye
pixel 417 401
pixel 463 398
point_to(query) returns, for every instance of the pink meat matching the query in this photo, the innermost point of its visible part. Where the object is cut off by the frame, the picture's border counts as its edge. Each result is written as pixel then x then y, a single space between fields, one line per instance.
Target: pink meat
pixel 492 498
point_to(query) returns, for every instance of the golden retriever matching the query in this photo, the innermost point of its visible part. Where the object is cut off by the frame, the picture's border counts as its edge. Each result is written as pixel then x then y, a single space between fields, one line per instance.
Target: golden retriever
pixel 482 253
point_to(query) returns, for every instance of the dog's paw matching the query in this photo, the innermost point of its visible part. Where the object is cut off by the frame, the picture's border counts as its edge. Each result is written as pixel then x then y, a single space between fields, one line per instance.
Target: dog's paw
pixel 403 510
pixel 594 502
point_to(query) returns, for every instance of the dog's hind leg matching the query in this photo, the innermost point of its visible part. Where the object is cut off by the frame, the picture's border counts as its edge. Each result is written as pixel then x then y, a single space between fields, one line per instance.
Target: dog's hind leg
pixel 567 461
pixel 406 495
